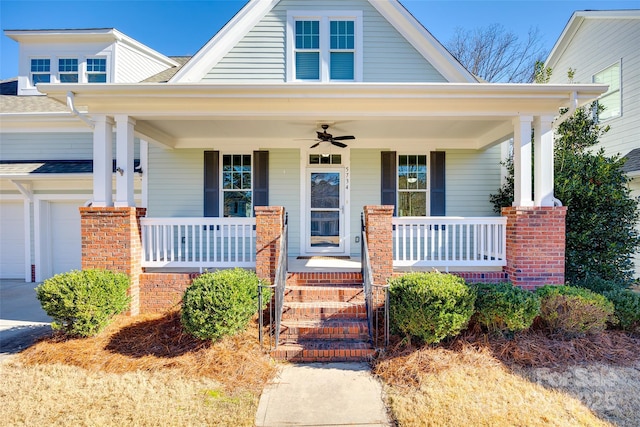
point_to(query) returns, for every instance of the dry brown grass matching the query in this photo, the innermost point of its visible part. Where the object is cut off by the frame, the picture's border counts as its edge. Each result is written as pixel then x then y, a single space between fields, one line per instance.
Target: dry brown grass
pixel 531 380
pixel 141 370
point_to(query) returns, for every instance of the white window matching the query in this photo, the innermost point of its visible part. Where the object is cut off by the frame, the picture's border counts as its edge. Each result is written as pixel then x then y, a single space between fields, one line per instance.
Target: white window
pixel 412 185
pixel 96 70
pixel 68 70
pixel 40 70
pixel 236 185
pixel 611 100
pixel 324 46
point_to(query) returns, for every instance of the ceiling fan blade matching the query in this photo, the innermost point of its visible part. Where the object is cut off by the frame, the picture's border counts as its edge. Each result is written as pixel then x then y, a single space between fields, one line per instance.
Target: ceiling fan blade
pixel 338 143
pixel 343 138
pixel 315 145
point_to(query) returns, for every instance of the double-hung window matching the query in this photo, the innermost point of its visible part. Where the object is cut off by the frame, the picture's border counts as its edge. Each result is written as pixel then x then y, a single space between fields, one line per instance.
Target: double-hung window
pixel 96 70
pixel 68 70
pixel 324 46
pixel 412 185
pixel 611 100
pixel 236 185
pixel 40 71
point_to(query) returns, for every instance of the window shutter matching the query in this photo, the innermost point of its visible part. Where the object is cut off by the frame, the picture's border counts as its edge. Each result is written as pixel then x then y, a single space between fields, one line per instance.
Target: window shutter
pixel 438 202
pixel 388 184
pixel 260 178
pixel 211 184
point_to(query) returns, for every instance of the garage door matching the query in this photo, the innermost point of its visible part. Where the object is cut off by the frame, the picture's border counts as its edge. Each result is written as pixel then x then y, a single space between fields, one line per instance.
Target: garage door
pixel 12 264
pixel 66 251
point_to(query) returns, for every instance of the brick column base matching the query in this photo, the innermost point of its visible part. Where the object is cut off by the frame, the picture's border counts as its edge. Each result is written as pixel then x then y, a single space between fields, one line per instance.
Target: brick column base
pixel 379 229
pixel 535 245
pixel 269 223
pixel 111 240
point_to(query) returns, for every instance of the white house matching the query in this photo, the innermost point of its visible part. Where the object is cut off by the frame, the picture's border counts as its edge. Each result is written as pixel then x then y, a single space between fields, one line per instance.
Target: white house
pixel 320 107
pixel 602 47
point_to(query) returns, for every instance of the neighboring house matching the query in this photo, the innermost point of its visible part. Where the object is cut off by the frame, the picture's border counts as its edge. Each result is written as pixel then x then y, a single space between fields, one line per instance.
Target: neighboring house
pixel 239 127
pixel 602 47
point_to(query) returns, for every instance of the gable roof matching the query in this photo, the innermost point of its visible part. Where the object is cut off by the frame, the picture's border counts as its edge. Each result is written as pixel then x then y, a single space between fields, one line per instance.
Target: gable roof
pixel 576 21
pixel 254 11
pixel 633 161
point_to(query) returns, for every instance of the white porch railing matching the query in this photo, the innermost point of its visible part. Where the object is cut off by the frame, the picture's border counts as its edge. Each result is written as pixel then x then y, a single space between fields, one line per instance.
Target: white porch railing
pixel 449 241
pixel 198 242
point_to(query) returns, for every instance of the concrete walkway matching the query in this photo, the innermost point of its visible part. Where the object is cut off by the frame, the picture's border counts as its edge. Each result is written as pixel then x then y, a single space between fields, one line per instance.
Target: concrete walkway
pixel 323 394
pixel 22 319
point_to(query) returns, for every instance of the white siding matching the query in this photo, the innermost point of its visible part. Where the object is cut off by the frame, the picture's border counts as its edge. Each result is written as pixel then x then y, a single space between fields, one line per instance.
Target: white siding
pixel 365 188
pixel 132 66
pixel 471 177
pixel 387 56
pixel 284 190
pixel 176 182
pixel 598 44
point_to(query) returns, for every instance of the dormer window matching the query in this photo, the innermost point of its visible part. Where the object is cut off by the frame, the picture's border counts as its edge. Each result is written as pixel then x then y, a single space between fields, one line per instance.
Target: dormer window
pixel 40 71
pixel 68 70
pixel 96 70
pixel 324 46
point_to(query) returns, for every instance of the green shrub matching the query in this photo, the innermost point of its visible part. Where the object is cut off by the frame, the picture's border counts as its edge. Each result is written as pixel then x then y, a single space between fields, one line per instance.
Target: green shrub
pixel 598 284
pixel 220 303
pixel 82 303
pixel 504 308
pixel 429 306
pixel 627 308
pixel 574 311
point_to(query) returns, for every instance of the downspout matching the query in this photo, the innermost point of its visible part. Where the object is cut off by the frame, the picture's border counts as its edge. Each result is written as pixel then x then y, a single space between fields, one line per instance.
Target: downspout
pixel 78 114
pixel 573 106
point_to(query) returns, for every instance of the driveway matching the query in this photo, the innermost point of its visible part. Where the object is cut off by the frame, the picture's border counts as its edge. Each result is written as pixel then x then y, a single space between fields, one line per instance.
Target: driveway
pixel 22 320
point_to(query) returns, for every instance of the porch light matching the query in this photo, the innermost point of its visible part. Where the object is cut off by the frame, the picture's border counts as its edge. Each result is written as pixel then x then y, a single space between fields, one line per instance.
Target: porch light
pixel 412 180
pixel 325 155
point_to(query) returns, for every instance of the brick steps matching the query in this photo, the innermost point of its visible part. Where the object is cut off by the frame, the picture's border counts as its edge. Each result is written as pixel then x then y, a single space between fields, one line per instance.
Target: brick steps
pixel 324 319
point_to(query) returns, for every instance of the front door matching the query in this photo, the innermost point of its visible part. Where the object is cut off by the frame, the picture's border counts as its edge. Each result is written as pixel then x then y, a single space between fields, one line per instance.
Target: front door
pixel 325 213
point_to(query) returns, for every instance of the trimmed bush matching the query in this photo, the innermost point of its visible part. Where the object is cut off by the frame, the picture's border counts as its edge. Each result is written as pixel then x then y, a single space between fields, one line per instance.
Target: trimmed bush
pixel 429 306
pixel 220 303
pixel 599 285
pixel 627 308
pixel 504 308
pixel 574 311
pixel 83 303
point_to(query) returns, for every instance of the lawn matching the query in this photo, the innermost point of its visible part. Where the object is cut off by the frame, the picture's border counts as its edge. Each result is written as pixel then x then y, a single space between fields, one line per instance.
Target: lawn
pixel 141 371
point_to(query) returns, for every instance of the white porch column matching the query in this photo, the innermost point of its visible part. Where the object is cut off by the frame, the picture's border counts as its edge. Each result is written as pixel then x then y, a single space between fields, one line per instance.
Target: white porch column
pixel 124 160
pixel 102 161
pixel 543 164
pixel 522 161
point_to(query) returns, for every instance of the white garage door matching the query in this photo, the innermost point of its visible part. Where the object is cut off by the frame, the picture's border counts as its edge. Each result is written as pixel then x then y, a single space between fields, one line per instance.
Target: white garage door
pixel 12 263
pixel 66 247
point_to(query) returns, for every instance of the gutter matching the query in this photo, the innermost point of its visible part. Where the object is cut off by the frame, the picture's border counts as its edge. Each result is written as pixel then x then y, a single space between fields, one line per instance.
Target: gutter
pixel 75 112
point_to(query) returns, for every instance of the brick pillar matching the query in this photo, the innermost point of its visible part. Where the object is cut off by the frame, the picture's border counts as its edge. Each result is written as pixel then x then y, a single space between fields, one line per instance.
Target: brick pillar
pixel 111 240
pixel 535 245
pixel 377 224
pixel 269 222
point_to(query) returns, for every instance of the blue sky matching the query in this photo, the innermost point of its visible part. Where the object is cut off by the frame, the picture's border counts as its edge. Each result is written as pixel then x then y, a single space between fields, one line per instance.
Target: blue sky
pixel 181 27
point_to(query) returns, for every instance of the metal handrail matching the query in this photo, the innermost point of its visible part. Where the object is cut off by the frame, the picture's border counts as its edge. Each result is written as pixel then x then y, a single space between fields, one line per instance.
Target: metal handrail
pixel 373 314
pixel 279 286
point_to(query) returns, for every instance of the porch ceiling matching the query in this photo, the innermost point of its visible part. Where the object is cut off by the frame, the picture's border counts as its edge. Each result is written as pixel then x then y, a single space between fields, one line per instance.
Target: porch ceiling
pixel 283 115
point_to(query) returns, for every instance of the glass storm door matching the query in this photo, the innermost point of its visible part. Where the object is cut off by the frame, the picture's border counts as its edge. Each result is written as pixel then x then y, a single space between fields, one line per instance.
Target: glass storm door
pixel 325 213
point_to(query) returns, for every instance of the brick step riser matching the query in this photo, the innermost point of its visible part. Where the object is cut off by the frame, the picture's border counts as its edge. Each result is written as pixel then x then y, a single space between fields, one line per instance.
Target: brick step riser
pixel 311 295
pixel 320 333
pixel 324 313
pixel 331 355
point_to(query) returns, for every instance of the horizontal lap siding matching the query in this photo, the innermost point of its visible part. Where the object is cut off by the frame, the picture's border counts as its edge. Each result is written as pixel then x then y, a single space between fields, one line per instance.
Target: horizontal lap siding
pixel 284 190
pixel 176 182
pixel 365 187
pixel 46 146
pixel 133 66
pixel 471 177
pixel 261 54
pixel 598 44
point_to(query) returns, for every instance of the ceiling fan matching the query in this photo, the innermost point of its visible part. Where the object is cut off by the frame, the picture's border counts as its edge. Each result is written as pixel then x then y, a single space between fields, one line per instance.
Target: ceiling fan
pixel 324 136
